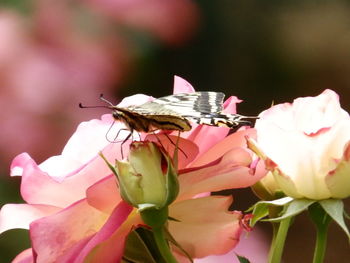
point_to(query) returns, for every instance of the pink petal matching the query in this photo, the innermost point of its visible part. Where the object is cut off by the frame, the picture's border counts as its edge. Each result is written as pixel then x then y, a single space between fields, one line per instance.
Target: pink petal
pixel 187 149
pixel 236 139
pixel 207 223
pixel 230 171
pixel 25 256
pixel 205 136
pixel 108 250
pixel 104 195
pixel 253 246
pixel 21 215
pixel 18 163
pixel 82 147
pixel 182 86
pixel 338 180
pixel 53 235
pixel 39 187
pixel 114 222
pixel 230 105
pixel 62 180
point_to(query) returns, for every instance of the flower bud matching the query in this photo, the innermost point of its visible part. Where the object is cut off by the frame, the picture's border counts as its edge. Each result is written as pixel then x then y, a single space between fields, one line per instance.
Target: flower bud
pixel 147 179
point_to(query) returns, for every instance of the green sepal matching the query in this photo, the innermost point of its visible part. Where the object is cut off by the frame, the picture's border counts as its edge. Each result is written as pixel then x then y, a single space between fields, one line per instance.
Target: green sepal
pixel 171 183
pixel 109 164
pixel 335 209
pixel 262 208
pixel 173 219
pixel 123 192
pixel 242 259
pixel 318 215
pixel 293 208
pixel 154 217
pixel 140 247
pixel 260 211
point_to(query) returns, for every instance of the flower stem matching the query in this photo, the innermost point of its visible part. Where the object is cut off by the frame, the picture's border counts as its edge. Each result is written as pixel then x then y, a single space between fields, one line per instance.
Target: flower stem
pixel 321 242
pixel 276 250
pixel 321 220
pixel 162 245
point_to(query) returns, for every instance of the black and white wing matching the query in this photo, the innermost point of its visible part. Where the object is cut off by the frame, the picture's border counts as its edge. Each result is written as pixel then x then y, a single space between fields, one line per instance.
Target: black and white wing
pixel 204 107
pixel 183 104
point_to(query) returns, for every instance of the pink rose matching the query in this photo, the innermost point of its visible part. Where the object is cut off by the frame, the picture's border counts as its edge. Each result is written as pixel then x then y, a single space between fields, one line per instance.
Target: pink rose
pixel 306 147
pixel 74 211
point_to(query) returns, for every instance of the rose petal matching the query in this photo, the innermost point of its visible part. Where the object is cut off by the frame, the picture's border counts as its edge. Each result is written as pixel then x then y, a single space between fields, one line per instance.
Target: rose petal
pixel 338 179
pixel 18 163
pixel 108 249
pixel 230 171
pixel 25 256
pixel 53 235
pixel 114 222
pixel 187 149
pixel 21 215
pixel 282 148
pixel 81 148
pixel 182 86
pixel 230 105
pixel 253 246
pixel 202 218
pixel 236 139
pixel 104 195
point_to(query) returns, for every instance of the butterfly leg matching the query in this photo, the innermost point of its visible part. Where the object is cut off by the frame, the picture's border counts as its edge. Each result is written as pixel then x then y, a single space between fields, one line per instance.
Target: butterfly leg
pixel 124 141
pixel 170 142
pixel 175 144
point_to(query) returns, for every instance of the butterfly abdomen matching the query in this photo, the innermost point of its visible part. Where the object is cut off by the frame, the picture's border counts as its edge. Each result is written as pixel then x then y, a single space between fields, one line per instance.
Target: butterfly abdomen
pixel 169 122
pixel 148 123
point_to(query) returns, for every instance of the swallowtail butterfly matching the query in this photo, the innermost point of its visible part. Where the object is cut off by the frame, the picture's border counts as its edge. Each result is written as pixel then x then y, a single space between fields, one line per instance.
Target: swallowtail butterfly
pixel 175 112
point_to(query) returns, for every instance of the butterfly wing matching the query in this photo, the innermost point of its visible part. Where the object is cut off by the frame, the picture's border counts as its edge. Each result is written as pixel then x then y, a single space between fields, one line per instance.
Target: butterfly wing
pixel 183 104
pixel 204 107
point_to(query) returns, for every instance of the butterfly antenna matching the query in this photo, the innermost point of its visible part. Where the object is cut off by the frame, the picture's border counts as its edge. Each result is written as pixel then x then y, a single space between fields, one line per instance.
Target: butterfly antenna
pixel 105 100
pixel 92 107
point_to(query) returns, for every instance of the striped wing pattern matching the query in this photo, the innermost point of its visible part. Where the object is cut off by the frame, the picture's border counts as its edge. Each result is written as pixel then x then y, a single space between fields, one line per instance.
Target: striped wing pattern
pixel 200 107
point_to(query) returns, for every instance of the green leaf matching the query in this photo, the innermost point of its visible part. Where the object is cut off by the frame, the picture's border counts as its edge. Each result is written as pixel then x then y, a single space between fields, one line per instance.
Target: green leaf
pixel 277 202
pixel 260 211
pixel 293 208
pixel 141 247
pixel 261 208
pixel 242 259
pixel 335 209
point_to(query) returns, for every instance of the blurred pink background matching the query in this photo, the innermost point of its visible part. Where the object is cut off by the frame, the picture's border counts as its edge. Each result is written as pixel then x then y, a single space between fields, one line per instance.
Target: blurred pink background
pixel 56 54
pixel 62 52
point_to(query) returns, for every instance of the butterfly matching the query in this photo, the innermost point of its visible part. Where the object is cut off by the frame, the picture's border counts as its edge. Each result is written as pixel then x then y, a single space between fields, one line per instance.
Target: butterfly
pixel 176 112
